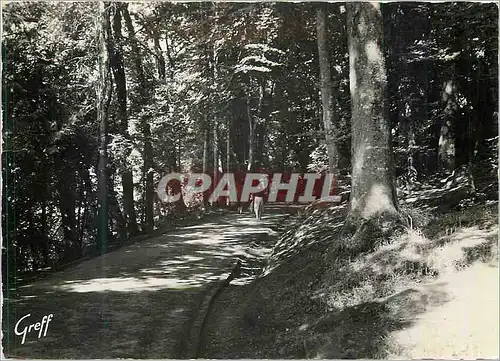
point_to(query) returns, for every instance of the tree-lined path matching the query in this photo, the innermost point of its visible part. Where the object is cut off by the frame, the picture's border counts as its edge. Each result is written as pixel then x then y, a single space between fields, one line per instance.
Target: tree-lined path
pixel 137 301
pixel 105 100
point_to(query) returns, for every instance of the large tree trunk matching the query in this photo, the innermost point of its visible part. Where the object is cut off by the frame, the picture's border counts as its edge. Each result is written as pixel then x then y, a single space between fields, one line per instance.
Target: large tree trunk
pixel 104 90
pixel 373 197
pixel 121 95
pixel 144 125
pixel 326 87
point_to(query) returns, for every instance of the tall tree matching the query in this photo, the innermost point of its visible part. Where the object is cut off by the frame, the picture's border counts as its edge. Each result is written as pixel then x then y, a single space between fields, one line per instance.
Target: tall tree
pixel 206 140
pixel 144 123
pixel 326 86
pixel 251 134
pixel 373 196
pixel 104 90
pixel 117 65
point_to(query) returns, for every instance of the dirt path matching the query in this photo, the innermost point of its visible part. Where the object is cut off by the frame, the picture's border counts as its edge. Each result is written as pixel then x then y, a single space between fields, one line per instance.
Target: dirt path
pixel 464 327
pixel 136 302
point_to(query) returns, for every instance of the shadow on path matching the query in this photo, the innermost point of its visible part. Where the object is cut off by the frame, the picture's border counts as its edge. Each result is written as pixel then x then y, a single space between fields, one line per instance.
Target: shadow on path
pixel 136 301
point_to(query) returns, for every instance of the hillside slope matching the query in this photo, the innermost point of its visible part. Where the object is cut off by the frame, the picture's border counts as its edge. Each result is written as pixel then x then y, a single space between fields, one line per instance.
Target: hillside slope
pixel 430 292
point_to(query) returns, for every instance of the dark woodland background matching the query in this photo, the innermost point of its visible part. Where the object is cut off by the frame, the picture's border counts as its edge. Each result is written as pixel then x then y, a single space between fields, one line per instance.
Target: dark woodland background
pixel 198 86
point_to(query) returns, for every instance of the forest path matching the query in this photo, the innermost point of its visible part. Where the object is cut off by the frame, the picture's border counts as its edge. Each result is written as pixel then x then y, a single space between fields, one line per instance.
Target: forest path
pixel 137 301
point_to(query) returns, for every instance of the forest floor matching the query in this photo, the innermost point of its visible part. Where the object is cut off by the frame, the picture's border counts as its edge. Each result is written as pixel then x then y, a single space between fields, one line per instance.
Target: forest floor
pixel 138 301
pixel 431 292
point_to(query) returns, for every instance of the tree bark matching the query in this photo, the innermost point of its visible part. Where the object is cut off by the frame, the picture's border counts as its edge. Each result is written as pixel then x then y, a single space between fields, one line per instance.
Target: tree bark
pixel 373 197
pixel 87 190
pixel 121 95
pixel 206 143
pixel 171 62
pixel 215 64
pixel 104 90
pixel 215 154
pixel 115 212
pixel 144 125
pixel 206 140
pixel 252 125
pixel 326 87
pixel 265 107
pixel 251 135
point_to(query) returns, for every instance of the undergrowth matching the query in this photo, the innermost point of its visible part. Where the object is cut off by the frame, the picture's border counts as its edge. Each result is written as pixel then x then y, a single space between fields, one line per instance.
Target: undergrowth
pixel 380 286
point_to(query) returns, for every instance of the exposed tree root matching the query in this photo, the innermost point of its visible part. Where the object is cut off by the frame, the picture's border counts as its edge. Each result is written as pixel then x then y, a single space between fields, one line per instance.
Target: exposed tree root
pixel 361 235
pixel 198 325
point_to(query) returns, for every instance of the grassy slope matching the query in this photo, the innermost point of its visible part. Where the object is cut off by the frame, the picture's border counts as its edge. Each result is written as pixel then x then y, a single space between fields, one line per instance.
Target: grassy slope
pixel 429 293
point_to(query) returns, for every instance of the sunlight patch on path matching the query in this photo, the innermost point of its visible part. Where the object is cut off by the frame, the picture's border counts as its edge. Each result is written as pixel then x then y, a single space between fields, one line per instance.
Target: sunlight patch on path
pixel 444 258
pixel 131 284
pixel 466 326
pixel 141 294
